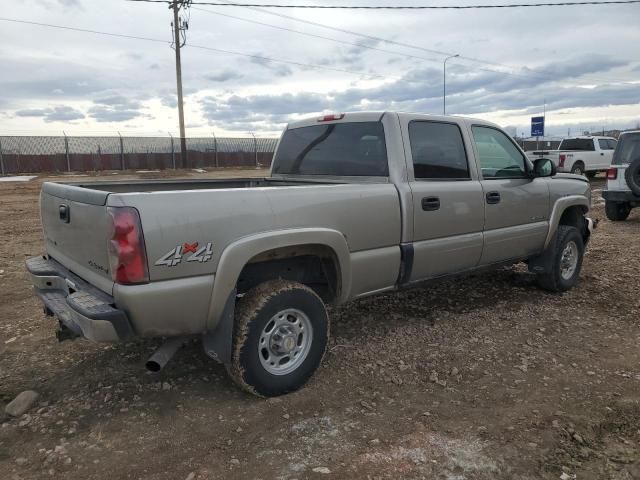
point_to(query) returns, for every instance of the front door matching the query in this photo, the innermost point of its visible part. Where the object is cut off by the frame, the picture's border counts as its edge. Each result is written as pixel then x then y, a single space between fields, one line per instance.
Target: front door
pixel 516 205
pixel 448 211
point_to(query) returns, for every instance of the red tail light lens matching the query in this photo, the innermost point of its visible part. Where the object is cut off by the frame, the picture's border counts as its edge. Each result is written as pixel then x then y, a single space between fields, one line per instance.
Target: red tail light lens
pixel 127 255
pixel 612 173
pixel 561 159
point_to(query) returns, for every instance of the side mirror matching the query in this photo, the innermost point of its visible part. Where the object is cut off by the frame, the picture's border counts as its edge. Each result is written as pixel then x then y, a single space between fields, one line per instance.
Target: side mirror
pixel 543 167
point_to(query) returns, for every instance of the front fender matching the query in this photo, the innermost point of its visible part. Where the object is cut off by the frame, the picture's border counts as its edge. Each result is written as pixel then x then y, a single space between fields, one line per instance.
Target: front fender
pixel 238 254
pixel 558 209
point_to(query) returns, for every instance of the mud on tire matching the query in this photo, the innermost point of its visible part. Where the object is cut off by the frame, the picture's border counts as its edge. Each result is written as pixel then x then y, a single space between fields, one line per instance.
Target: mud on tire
pixel 568 242
pixel 280 336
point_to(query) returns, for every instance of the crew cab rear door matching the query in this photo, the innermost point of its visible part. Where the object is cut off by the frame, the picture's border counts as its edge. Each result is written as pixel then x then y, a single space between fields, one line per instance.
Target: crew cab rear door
pixel 606 147
pixel 516 205
pixel 448 211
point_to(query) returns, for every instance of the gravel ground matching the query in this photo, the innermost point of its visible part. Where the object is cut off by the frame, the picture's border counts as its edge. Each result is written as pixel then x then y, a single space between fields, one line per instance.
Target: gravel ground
pixel 481 378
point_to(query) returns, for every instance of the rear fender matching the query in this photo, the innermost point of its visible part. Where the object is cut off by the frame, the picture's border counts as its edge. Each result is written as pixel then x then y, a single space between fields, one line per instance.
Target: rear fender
pixel 238 254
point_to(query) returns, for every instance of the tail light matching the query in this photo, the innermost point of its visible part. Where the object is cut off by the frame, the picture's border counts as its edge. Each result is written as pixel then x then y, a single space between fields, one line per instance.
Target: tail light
pixel 561 159
pixel 612 173
pixel 127 255
pixel 331 118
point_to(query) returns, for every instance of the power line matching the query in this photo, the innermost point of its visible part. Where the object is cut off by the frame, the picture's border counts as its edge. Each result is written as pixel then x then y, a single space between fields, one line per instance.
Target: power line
pixel 405 7
pixel 200 47
pixel 322 37
pixel 532 74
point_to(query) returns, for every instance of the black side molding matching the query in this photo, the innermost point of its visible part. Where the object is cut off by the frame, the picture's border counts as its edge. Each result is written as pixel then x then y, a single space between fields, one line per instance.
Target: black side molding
pixel 406 263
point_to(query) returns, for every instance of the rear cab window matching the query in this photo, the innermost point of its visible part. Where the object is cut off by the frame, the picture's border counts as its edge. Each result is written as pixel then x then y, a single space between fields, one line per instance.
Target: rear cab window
pixel 336 149
pixel 576 144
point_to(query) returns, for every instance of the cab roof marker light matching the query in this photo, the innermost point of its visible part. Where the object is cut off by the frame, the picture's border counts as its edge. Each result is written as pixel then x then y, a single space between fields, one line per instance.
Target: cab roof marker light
pixel 331 118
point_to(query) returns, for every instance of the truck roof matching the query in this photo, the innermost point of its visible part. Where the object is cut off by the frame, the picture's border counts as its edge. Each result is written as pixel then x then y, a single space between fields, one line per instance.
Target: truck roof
pixel 589 137
pixel 375 116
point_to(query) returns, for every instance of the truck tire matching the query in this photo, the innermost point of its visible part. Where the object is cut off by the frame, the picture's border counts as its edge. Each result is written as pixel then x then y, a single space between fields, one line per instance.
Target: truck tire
pixel 632 176
pixel 617 211
pixel 578 168
pixel 566 261
pixel 280 336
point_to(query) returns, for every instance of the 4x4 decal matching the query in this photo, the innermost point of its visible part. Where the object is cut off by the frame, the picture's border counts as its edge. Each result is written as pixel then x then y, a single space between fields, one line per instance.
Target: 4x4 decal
pixel 177 254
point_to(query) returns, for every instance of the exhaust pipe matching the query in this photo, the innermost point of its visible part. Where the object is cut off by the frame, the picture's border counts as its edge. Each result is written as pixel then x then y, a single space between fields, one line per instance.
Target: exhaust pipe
pixel 164 353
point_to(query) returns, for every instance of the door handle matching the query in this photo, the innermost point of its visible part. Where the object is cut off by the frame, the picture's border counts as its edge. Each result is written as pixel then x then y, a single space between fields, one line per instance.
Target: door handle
pixel 65 213
pixel 602 153
pixel 430 204
pixel 493 197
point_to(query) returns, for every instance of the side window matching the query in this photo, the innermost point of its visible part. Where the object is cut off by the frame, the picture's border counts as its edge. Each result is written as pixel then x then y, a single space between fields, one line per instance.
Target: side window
pixel 605 144
pixel 612 144
pixel 499 157
pixel 438 151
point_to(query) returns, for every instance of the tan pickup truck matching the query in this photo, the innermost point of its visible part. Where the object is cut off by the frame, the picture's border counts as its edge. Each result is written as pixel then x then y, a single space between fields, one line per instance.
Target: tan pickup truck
pixel 356 204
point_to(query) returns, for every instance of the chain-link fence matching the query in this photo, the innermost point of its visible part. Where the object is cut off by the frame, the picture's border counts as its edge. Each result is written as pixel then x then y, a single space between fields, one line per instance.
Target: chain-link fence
pixel 22 154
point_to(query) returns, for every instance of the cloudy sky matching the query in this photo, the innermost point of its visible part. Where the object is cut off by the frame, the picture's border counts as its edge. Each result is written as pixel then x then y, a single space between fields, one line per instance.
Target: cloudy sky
pixel 583 61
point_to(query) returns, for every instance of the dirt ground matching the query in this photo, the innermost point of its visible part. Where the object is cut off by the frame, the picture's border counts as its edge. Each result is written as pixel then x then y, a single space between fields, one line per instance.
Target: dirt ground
pixel 482 378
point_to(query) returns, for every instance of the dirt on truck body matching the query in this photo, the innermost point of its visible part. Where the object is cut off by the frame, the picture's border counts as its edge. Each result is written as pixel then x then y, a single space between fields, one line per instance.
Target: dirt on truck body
pixel 482 378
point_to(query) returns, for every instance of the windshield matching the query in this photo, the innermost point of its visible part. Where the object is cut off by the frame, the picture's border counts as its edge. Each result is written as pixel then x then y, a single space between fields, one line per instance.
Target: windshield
pixel 577 144
pixel 338 149
pixel 628 149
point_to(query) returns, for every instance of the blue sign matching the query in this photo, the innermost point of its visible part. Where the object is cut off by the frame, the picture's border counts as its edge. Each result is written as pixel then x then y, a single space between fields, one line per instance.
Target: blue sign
pixel 537 126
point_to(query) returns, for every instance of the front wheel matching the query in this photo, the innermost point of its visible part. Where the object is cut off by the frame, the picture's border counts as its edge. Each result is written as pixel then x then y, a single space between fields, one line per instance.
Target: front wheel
pixel 566 261
pixel 281 333
pixel 617 211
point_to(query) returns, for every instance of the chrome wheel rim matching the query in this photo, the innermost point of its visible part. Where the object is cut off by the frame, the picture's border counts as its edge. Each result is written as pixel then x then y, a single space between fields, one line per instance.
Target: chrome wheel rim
pixel 578 171
pixel 285 341
pixel 569 260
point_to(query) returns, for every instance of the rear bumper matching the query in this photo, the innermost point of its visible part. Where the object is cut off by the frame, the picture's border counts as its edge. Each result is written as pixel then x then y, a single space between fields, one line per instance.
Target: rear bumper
pixel 80 307
pixel 620 196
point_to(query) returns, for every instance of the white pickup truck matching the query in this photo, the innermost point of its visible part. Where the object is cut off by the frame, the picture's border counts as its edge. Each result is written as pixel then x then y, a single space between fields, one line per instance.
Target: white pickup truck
pixel 580 155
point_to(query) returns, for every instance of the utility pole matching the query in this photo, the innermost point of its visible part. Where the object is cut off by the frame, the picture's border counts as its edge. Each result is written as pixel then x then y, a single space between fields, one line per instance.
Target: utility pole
pixel 444 83
pixel 177 44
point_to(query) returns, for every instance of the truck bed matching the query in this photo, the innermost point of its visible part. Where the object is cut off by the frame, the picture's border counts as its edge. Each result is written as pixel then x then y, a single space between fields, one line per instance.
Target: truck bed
pixel 133 186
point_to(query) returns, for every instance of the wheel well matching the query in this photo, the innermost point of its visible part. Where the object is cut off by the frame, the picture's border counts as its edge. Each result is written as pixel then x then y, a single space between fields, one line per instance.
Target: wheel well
pixel 313 265
pixel 574 217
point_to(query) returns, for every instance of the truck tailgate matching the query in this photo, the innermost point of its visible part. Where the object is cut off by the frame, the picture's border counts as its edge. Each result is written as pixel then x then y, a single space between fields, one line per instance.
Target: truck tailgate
pixel 76 230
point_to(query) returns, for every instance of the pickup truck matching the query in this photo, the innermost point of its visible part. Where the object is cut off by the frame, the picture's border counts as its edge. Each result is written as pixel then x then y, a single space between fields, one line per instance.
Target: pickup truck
pixel 581 155
pixel 355 204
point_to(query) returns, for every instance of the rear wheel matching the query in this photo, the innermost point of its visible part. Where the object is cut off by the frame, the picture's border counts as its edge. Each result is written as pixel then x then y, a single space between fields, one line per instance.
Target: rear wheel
pixel 281 333
pixel 617 211
pixel 578 168
pixel 566 261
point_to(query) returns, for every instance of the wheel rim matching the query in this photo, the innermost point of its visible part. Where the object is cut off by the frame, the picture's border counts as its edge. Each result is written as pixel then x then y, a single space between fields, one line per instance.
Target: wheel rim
pixel 569 260
pixel 578 170
pixel 285 341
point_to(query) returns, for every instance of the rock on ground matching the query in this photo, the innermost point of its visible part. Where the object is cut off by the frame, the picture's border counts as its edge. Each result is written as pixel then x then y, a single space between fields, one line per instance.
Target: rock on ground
pixel 22 403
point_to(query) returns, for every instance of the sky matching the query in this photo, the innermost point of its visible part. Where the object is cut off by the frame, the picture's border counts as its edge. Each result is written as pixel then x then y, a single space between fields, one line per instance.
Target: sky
pixel 580 64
